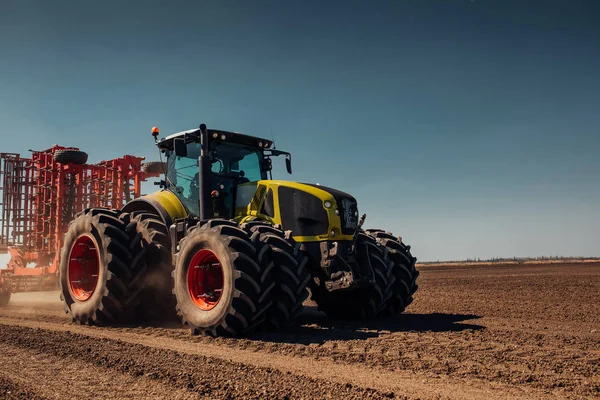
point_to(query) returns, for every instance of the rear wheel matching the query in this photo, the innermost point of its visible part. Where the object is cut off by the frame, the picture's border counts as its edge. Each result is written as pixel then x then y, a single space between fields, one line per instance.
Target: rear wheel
pixel 217 279
pixel 285 273
pixel 95 275
pixel 403 269
pixel 362 303
pixel 151 242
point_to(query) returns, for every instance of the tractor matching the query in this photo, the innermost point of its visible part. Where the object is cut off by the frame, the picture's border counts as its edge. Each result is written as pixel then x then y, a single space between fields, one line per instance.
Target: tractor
pixel 228 250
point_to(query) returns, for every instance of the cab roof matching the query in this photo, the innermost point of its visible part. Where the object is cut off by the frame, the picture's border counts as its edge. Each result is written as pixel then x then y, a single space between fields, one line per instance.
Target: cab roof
pixel 216 135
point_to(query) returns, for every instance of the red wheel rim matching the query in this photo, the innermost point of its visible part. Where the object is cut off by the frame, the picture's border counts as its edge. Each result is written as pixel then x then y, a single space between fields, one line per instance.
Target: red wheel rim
pixel 83 268
pixel 205 279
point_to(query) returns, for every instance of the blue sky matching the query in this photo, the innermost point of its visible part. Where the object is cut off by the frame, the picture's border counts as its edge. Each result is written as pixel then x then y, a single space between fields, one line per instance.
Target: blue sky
pixel 470 128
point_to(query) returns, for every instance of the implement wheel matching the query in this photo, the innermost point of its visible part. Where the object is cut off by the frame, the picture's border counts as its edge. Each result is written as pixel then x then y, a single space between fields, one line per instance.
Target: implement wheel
pixel 70 157
pixel 95 275
pixel 217 280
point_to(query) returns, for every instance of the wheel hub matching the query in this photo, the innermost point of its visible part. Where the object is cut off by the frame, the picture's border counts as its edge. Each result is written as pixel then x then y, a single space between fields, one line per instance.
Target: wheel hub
pixel 205 280
pixel 83 268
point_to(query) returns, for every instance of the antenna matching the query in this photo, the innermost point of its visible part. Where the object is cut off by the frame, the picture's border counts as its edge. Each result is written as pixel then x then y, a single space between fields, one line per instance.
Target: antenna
pixel 273 138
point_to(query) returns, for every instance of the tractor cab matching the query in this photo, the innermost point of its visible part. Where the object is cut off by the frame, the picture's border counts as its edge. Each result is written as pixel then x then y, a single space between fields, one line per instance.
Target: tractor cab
pixel 205 168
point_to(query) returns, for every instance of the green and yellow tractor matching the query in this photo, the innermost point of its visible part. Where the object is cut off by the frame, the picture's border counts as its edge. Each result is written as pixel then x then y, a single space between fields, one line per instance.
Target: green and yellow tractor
pixel 227 249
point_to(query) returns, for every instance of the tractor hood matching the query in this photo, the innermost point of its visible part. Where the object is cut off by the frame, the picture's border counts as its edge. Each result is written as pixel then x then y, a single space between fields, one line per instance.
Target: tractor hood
pixel 312 212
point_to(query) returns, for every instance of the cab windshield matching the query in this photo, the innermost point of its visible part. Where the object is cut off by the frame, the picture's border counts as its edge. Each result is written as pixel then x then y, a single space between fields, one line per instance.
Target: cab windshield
pixel 232 164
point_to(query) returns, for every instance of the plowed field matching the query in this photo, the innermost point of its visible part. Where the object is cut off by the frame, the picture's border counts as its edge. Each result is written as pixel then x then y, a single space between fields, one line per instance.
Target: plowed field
pixel 488 332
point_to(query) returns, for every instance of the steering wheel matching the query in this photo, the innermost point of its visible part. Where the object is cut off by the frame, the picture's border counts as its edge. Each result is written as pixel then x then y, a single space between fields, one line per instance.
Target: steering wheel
pixel 195 186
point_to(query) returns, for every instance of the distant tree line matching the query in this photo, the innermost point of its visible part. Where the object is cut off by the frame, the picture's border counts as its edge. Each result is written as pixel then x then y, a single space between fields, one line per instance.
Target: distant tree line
pixel 513 259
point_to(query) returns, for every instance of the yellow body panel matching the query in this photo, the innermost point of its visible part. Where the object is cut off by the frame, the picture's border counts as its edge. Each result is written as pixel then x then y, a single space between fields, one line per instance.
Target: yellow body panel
pixel 170 203
pixel 173 206
pixel 251 211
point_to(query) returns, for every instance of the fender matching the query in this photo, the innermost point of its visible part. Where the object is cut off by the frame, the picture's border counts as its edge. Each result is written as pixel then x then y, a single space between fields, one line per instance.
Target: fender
pixel 164 204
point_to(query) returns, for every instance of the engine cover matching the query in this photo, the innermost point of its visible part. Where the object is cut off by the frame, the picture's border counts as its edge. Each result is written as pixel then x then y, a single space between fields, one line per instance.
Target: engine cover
pixel 313 213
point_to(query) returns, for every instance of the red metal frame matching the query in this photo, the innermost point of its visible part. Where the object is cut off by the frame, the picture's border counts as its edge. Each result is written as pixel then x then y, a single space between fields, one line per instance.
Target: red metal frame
pixel 39 197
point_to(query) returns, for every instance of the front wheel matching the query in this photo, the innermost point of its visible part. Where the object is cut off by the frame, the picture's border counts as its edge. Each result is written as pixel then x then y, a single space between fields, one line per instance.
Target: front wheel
pixel 404 271
pixel 285 275
pixel 216 278
pixel 361 303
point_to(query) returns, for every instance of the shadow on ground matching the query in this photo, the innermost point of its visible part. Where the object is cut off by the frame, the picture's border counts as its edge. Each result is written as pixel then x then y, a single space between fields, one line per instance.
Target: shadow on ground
pixel 315 327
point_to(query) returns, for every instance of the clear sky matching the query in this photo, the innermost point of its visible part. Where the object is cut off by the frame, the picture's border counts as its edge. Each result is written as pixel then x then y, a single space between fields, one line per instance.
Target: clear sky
pixel 469 127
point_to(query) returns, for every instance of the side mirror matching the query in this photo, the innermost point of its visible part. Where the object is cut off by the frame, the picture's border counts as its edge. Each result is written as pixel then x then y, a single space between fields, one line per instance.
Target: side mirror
pixel 288 164
pixel 180 147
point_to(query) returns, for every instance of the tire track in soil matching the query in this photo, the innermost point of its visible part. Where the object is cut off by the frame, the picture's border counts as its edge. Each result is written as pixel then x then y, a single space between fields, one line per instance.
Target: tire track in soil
pixel 65 377
pixel 485 354
pixel 504 352
pixel 541 334
pixel 16 389
pixel 204 376
pixel 292 376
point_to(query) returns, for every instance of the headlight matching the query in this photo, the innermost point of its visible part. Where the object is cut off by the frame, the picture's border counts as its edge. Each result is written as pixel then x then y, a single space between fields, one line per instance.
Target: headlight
pixel 327 204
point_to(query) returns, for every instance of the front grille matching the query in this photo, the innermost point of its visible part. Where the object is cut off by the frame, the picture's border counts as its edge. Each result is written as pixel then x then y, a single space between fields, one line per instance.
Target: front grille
pixel 348 214
pixel 302 213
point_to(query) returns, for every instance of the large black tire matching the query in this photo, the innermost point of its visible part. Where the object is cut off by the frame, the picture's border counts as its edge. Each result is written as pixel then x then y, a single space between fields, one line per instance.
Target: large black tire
pixel 285 277
pixel 98 287
pixel 151 241
pixel 403 269
pixel 364 303
pixel 218 244
pixel 70 156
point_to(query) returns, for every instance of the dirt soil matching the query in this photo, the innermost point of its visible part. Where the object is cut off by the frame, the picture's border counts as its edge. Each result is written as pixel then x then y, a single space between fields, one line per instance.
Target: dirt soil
pixel 485 332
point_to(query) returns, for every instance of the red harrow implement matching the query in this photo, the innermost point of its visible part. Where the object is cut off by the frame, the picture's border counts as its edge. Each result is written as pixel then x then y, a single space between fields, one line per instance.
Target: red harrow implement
pixel 41 195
